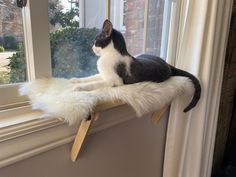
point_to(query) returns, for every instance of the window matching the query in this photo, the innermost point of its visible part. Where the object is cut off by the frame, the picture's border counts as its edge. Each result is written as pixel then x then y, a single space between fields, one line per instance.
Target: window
pixel 35 49
pixel 144 24
pixel 71 36
pixel 72 31
pixel 12 54
pixel 118 10
pixel 59 34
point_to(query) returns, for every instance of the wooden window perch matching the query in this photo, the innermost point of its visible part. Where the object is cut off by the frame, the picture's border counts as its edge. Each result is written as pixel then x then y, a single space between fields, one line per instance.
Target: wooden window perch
pixel 39 90
pixel 86 124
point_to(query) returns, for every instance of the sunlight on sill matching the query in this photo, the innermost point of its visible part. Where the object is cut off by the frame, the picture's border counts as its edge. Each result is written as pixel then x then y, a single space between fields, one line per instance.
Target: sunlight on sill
pixel 18 115
pixel 11 117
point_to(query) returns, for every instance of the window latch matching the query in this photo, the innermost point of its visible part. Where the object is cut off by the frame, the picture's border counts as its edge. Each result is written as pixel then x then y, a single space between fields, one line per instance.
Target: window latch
pixel 21 3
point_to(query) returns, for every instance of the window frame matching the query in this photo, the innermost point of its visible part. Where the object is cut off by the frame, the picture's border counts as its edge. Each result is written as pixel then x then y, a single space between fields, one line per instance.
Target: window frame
pixel 81 13
pixel 37 52
pixel 118 21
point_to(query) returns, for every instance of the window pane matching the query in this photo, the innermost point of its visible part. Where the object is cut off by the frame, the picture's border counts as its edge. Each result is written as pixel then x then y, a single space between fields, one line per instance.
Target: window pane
pixel 73 27
pixel 129 17
pixel 155 26
pixel 12 55
pixel 75 23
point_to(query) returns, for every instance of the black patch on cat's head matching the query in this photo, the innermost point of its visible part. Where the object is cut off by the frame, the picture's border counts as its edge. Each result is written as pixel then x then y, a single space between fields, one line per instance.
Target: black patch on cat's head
pixel 107 28
pixel 109 34
pixel 104 38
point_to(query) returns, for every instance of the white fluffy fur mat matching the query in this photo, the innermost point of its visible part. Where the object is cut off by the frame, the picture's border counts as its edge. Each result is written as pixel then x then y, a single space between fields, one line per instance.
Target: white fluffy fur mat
pixel 57 98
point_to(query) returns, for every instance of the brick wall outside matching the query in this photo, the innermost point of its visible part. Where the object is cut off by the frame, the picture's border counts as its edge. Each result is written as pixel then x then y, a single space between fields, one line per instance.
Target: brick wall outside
pixel 10 20
pixel 154 29
pixel 134 23
pixel 227 117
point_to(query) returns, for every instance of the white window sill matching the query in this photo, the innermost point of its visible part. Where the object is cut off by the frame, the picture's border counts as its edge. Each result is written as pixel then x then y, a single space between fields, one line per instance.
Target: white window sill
pixel 17 115
pixel 19 141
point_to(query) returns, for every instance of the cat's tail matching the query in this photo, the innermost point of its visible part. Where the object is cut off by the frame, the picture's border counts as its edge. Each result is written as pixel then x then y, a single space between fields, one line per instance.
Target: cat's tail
pixel 196 83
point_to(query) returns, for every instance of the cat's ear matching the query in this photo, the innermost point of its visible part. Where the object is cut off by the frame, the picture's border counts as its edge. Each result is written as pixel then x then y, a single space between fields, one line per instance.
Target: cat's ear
pixel 107 28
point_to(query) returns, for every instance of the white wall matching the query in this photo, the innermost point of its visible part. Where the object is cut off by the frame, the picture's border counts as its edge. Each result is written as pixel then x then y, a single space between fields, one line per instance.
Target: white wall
pixel 131 149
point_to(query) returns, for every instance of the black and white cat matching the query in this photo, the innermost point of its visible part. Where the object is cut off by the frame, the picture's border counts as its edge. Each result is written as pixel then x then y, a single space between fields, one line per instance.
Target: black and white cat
pixel 117 67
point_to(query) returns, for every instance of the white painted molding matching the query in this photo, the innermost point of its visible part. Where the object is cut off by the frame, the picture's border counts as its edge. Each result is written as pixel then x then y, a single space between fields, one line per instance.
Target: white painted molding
pixel 26 128
pixel 222 28
pixel 25 140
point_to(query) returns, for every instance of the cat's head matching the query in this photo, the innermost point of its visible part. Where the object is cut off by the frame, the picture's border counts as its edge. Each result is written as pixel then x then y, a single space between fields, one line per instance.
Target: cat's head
pixel 109 39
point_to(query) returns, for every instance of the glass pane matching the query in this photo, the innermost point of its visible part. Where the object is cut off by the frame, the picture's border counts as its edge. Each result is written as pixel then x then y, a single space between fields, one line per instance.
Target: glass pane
pixel 12 55
pixel 128 16
pixel 73 27
pixel 75 23
pixel 155 26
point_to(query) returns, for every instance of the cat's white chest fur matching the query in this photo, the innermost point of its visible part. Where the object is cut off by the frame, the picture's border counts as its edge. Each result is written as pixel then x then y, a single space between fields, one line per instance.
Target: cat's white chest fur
pixel 107 63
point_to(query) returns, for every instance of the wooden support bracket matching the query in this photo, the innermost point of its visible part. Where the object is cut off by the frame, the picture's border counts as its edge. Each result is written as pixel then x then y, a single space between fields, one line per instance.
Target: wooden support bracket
pixel 156 116
pixel 86 124
pixel 80 136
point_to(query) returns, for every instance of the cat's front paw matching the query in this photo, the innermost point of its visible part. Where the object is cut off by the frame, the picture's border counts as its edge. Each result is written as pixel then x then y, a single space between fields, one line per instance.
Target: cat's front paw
pixel 81 87
pixel 75 80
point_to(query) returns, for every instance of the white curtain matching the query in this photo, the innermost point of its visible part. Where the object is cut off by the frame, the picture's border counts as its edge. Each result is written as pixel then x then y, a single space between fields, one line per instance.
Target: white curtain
pixel 200 36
